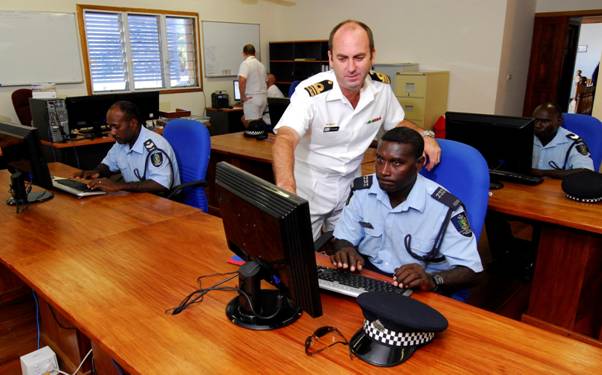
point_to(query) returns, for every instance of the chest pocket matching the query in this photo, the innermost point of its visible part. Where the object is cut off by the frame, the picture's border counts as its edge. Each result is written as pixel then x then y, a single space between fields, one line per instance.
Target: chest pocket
pixel 373 241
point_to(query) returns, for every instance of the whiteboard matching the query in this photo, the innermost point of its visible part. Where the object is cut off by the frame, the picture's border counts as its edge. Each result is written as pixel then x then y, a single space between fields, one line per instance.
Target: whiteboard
pixel 222 46
pixel 37 47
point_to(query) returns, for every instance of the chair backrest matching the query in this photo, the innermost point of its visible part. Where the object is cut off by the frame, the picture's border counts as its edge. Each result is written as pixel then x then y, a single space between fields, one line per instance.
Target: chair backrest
pixel 590 129
pixel 464 172
pixel 292 88
pixel 192 145
pixel 277 106
pixel 20 100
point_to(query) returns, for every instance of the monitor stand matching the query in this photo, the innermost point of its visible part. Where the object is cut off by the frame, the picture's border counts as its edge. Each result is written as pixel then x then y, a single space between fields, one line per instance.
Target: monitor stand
pixel 257 308
pixel 19 194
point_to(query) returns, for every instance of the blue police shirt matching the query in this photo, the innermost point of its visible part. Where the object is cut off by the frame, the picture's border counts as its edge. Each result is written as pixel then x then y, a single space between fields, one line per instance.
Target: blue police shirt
pixel 127 160
pixel 378 231
pixel 555 151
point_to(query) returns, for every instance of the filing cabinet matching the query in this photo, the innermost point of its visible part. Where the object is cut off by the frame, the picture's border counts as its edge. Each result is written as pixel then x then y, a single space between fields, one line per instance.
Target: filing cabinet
pixel 423 96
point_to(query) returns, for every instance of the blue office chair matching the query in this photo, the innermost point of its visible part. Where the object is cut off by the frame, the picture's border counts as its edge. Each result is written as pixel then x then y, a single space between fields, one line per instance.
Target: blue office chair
pixel 590 129
pixel 192 145
pixel 464 172
pixel 292 88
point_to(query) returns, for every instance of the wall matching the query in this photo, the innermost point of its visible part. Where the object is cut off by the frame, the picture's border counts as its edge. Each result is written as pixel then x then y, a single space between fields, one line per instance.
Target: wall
pixel 564 5
pixel 591 36
pixel 251 11
pixel 514 62
pixel 443 35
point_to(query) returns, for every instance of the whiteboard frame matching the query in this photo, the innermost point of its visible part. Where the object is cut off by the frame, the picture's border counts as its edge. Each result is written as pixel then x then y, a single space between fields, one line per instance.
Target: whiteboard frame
pixel 74 47
pixel 238 52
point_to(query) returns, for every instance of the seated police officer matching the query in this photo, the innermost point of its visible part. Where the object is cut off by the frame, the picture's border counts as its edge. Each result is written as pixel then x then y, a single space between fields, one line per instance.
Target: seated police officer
pixel 406 225
pixel 556 151
pixel 145 159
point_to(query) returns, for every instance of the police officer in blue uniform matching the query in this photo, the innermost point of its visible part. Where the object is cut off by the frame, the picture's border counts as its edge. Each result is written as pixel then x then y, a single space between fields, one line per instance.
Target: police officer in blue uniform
pixel 144 158
pixel 406 225
pixel 556 151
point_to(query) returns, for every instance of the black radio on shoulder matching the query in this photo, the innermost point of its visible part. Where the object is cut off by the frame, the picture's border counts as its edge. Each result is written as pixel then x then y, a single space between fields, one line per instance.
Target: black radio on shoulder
pixel 220 99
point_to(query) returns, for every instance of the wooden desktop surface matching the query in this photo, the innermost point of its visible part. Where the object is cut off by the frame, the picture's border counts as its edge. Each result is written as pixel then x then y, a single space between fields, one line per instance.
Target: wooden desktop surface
pixel 113 264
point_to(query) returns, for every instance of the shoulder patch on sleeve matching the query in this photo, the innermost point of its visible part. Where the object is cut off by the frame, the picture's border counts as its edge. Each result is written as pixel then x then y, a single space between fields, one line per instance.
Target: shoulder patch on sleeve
pixel 461 224
pixel 157 159
pixel 319 87
pixel 446 198
pixel 380 77
pixel 363 182
pixel 573 137
pixel 582 148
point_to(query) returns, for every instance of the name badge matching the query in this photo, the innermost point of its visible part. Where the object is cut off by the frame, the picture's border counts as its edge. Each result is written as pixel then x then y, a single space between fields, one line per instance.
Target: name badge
pixel 328 129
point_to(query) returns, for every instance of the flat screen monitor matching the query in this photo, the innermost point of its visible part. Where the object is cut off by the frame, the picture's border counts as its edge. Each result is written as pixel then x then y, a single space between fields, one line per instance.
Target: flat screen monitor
pixel 276 107
pixel 22 154
pixel 270 228
pixel 505 142
pixel 236 88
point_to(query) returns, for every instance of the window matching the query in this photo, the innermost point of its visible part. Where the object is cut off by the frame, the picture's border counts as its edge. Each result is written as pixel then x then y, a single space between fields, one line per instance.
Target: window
pixel 135 49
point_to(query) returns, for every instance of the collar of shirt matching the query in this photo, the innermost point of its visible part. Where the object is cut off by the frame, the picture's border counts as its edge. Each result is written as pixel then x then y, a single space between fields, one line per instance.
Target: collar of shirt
pixel 416 199
pixel 559 139
pixel 367 92
pixel 138 146
pixel 250 57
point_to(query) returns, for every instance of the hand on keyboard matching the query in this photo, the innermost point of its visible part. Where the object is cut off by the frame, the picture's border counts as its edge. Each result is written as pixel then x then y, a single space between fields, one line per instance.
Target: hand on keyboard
pixel 347 258
pixel 413 276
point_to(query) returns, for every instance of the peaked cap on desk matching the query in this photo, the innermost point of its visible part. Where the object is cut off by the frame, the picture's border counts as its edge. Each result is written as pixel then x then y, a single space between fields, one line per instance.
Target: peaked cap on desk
pixel 585 186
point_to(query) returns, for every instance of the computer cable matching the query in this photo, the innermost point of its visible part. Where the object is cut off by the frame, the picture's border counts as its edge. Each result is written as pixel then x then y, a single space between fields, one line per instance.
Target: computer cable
pixel 78 367
pixel 35 300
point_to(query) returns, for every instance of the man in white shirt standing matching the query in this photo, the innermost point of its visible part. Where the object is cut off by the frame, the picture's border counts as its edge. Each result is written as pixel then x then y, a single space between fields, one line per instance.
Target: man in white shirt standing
pixel 252 81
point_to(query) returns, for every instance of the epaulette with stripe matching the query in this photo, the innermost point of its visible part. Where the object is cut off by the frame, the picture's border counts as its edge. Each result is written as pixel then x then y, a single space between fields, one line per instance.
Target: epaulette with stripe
pixel 580 145
pixel 360 183
pixel 446 198
pixel 380 77
pixel 319 87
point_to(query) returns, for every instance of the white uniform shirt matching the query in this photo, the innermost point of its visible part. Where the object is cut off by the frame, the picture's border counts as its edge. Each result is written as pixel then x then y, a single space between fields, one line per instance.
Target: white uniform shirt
pixel 132 161
pixel 274 92
pixel 254 72
pixel 333 135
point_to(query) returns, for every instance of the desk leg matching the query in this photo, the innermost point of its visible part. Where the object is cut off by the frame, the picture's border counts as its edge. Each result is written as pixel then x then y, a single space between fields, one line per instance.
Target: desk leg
pixel 567 283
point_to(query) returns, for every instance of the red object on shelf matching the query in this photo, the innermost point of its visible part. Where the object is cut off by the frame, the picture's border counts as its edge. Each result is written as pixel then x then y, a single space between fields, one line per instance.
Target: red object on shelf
pixel 439 127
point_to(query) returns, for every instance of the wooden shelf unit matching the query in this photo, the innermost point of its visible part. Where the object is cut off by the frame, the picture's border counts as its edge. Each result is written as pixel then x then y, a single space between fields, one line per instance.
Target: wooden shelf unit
pixel 297 60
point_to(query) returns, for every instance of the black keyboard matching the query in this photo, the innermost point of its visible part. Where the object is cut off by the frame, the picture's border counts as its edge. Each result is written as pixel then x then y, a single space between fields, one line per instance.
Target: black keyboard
pixel 353 284
pixel 74 184
pixel 519 178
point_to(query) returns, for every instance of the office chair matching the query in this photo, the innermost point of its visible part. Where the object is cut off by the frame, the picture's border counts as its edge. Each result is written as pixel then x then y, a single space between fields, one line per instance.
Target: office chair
pixel 192 145
pixel 292 88
pixel 590 129
pixel 20 100
pixel 276 107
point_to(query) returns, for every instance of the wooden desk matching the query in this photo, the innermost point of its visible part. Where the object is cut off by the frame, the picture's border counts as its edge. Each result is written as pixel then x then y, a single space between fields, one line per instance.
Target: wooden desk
pixel 254 157
pixel 114 281
pixel 566 292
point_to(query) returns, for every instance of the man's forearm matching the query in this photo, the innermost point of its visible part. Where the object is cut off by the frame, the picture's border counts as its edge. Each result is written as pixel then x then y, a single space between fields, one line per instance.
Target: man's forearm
pixel 555 173
pixel 458 277
pixel 283 153
pixel 148 186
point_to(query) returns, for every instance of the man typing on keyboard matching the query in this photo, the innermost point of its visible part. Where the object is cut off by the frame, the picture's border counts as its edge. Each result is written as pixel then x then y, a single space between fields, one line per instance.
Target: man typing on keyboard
pixel 145 159
pixel 406 225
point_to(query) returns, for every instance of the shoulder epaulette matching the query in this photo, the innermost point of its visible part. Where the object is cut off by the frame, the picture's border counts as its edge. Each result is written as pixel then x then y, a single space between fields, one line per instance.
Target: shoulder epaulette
pixel 446 198
pixel 319 87
pixel 573 137
pixel 149 145
pixel 360 183
pixel 380 77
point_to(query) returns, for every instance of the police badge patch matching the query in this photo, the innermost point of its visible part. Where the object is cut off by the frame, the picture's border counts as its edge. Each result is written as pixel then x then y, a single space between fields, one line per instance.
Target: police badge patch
pixel 157 159
pixel 460 222
pixel 582 149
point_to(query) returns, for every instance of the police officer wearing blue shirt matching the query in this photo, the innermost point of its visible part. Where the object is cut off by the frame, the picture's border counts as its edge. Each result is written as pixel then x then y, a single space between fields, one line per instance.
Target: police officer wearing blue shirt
pixel 145 159
pixel 556 151
pixel 405 224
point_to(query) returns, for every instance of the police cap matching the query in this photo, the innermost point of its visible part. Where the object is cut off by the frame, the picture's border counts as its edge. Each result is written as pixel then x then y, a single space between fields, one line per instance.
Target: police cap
pixel 584 186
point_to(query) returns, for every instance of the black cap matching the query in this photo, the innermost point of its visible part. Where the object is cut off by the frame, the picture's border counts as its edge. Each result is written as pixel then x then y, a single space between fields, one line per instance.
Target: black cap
pixel 256 129
pixel 583 186
pixel 394 327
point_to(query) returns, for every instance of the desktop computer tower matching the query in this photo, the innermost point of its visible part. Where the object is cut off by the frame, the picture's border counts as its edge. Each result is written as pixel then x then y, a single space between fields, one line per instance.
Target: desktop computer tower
pixel 50 117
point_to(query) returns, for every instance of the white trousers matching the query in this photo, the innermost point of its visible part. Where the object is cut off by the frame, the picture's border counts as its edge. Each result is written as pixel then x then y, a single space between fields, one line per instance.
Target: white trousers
pixel 254 107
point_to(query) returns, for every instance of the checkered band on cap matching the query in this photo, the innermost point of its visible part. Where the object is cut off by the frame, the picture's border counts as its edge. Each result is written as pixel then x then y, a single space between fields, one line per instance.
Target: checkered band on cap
pixel 584 200
pixel 385 336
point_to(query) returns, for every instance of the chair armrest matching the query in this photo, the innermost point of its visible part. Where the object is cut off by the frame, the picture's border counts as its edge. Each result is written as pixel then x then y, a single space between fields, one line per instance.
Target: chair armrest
pixel 178 189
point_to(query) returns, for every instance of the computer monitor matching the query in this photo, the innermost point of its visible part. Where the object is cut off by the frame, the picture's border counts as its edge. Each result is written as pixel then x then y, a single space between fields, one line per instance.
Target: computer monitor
pixel 276 107
pixel 236 88
pixel 270 228
pixel 505 142
pixel 26 162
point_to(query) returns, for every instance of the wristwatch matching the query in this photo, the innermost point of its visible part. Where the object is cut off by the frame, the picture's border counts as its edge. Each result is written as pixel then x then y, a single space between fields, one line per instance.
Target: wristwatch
pixel 438 280
pixel 428 133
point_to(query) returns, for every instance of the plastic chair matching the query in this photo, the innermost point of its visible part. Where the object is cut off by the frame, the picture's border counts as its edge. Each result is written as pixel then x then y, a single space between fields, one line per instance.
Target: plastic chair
pixel 292 88
pixel 20 100
pixel 590 129
pixel 192 145
pixel 464 172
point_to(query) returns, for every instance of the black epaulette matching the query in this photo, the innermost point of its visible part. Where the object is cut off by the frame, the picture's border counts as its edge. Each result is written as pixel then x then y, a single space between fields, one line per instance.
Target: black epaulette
pixel 380 77
pixel 446 198
pixel 149 145
pixel 579 143
pixel 360 183
pixel 319 87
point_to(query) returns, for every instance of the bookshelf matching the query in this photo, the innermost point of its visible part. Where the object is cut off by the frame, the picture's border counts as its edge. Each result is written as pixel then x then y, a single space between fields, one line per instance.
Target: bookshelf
pixel 296 60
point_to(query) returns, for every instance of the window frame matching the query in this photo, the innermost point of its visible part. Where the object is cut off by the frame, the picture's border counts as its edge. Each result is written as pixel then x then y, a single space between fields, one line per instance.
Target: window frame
pixel 81 8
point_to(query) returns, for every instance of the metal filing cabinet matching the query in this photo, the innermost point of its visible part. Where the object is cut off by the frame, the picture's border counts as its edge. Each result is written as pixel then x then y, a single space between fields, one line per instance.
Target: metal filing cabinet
pixel 423 96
